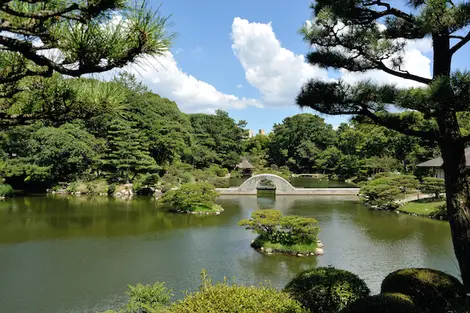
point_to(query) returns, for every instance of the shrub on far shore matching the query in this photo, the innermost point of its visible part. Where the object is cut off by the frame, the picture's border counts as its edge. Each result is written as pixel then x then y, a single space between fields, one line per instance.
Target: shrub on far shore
pixel 191 197
pixel 326 289
pixel 229 298
pixel 5 190
pixel 430 290
pixel 383 303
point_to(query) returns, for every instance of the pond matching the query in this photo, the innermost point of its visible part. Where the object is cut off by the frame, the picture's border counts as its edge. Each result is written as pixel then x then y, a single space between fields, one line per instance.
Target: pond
pixel 78 254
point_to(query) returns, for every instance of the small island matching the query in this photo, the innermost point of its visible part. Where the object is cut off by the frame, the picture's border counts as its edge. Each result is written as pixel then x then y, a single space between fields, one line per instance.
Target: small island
pixel 291 235
pixel 193 198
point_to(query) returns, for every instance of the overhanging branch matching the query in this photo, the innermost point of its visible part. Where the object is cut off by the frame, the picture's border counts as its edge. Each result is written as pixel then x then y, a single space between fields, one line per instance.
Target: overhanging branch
pixel 460 44
pixel 406 130
pixel 45 14
pixel 405 75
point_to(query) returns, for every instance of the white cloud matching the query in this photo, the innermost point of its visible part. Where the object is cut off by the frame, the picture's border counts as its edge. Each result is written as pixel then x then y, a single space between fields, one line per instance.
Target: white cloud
pixel 239 86
pixel 164 77
pixel 275 71
pixel 415 62
pixel 179 50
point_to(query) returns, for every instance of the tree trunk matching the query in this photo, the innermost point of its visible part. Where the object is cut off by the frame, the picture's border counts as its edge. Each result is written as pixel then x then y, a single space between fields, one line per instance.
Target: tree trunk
pixel 458 205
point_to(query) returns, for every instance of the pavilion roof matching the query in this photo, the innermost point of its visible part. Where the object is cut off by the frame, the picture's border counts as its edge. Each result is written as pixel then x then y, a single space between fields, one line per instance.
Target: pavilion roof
pixel 244 164
pixel 437 162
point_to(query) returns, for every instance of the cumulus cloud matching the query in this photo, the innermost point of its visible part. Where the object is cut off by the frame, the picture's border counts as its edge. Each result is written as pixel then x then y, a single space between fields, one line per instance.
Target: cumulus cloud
pixel 239 86
pixel 164 77
pixel 415 62
pixel 276 72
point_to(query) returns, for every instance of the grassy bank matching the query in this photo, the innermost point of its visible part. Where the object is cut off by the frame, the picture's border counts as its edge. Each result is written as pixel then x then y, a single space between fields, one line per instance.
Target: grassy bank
pixel 279 248
pixel 423 207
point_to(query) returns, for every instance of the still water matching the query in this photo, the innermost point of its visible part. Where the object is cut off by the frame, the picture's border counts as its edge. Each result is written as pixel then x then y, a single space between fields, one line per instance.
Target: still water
pixel 78 254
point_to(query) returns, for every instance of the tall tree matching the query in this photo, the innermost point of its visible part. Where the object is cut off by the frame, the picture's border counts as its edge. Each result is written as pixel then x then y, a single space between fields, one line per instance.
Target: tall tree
pixel 218 138
pixel 72 37
pixel 298 141
pixel 127 152
pixel 363 35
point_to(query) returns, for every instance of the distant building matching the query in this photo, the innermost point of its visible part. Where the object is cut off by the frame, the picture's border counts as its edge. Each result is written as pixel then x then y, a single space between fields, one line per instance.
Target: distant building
pixel 261 132
pixel 245 167
pixel 251 133
pixel 436 164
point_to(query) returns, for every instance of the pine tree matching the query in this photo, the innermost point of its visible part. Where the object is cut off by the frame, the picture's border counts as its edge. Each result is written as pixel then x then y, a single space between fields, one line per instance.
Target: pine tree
pixel 72 37
pixel 362 35
pixel 127 152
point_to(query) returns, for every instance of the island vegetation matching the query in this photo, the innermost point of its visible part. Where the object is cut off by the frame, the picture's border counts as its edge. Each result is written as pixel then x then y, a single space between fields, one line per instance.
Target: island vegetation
pixel 195 198
pixel 294 235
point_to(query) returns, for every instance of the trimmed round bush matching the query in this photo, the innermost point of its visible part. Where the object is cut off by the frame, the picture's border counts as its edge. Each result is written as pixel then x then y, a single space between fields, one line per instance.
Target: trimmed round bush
pixel 326 289
pixel 430 290
pixel 225 298
pixel 383 303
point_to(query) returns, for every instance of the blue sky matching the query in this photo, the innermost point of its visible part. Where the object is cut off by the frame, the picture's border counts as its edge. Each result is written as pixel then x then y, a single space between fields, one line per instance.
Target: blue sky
pixel 240 55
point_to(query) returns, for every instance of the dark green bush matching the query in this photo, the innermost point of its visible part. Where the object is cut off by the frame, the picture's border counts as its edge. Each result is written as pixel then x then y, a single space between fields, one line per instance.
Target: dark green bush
pixel 431 290
pixel 231 298
pixel 111 189
pixel 326 289
pixel 166 188
pixel 383 303
pixel 5 190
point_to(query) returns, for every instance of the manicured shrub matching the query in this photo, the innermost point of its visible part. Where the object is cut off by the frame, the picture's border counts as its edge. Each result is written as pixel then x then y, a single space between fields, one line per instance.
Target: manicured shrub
pixel 432 185
pixel 5 190
pixel 383 303
pixel 326 289
pixel 229 298
pixel 431 290
pixel 191 197
pixel 273 227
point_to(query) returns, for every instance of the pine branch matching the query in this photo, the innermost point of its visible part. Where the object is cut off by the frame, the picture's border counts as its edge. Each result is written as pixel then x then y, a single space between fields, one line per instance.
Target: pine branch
pixel 363 99
pixel 403 74
pixel 40 15
pixel 460 44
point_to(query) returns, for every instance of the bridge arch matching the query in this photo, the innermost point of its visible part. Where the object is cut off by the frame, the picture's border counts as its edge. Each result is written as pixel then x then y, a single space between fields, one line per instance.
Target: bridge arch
pixel 282 185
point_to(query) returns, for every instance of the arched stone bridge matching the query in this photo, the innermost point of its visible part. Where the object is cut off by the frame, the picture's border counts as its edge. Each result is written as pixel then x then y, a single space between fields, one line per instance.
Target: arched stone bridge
pixel 283 187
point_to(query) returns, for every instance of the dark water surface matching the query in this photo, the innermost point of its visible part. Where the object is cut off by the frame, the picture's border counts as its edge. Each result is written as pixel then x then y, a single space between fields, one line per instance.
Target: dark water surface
pixel 78 254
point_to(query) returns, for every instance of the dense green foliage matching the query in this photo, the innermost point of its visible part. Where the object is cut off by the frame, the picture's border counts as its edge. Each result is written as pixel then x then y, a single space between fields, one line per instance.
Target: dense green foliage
pixel 383 303
pixel 273 227
pixel 228 298
pixel 326 289
pixel 430 290
pixel 5 190
pixel 432 185
pixel 146 299
pixel 386 188
pixel 141 138
pixel 192 197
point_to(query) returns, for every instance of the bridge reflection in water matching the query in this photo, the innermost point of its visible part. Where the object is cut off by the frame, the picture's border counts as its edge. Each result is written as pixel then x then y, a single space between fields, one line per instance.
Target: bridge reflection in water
pixel 281 187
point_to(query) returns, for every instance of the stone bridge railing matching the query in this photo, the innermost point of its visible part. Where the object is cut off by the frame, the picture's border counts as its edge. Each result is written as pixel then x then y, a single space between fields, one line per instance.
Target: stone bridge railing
pixel 283 187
